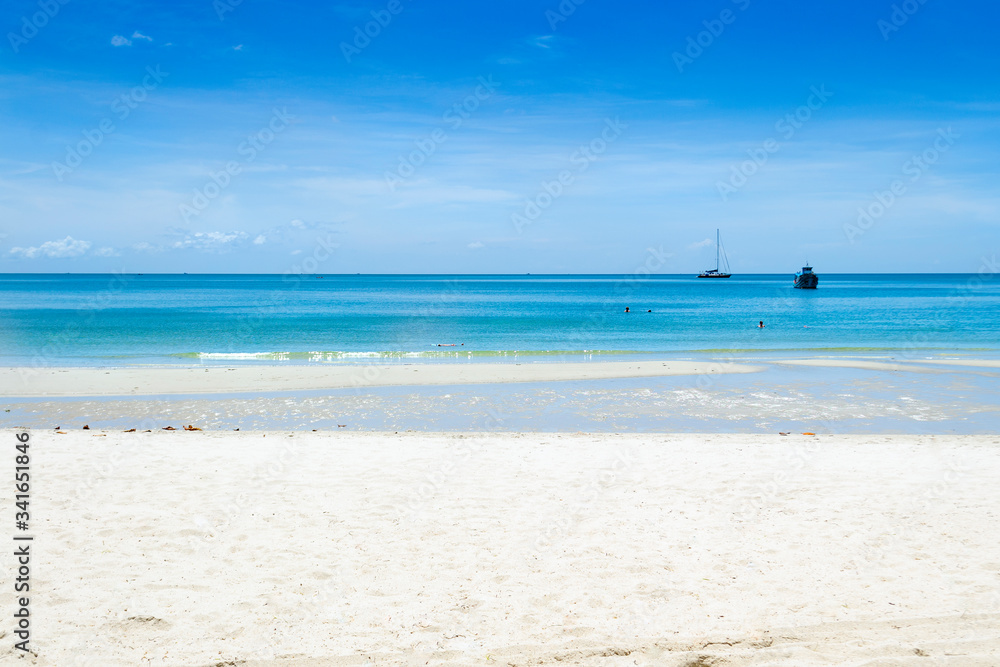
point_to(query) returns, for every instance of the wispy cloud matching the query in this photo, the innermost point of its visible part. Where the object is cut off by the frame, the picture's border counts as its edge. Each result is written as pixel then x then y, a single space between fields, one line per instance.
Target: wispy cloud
pixel 185 239
pixel 700 244
pixel 180 239
pixel 293 231
pixel 543 41
pixel 139 35
pixel 21 167
pixel 675 151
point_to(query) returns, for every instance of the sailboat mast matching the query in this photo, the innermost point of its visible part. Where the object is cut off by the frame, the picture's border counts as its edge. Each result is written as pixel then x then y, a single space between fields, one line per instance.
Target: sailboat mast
pixel 717 238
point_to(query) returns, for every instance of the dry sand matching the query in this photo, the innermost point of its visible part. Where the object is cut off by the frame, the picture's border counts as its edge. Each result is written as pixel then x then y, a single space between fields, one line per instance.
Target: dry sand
pixel 40 382
pixel 294 550
pixel 54 381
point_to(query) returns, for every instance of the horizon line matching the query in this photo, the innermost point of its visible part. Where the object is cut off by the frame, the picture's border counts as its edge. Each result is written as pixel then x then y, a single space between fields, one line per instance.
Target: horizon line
pixel 650 275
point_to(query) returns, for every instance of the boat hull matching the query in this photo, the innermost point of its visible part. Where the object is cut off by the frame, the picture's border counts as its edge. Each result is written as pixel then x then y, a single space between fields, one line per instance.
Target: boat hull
pixel 806 281
pixel 714 275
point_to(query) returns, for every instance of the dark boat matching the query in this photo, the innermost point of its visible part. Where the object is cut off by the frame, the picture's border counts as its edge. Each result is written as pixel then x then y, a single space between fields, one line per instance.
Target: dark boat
pixel 806 279
pixel 716 273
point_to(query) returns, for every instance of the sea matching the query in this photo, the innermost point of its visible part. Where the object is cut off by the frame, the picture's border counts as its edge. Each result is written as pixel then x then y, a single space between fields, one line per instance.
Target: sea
pixel 146 319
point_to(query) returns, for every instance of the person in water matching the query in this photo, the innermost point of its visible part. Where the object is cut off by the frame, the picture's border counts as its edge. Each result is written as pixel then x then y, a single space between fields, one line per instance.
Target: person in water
pixel 761 325
pixel 626 309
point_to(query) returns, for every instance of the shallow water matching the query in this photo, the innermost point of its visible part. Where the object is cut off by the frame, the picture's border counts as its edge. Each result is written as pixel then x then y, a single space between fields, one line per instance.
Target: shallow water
pixel 106 320
pixel 781 398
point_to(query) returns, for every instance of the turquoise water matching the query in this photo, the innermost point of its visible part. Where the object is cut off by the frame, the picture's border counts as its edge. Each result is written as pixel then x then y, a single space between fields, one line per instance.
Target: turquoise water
pixel 91 319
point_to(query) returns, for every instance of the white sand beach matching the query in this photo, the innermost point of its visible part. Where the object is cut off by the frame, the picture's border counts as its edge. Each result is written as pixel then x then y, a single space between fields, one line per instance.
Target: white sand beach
pixel 57 381
pixel 285 549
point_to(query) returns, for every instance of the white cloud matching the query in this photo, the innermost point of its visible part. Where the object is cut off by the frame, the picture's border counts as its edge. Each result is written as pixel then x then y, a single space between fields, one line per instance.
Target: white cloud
pixel 118 40
pixel 67 247
pixel 106 252
pixel 139 35
pixel 238 47
pixel 701 244
pixel 260 240
pixel 475 245
pixel 210 241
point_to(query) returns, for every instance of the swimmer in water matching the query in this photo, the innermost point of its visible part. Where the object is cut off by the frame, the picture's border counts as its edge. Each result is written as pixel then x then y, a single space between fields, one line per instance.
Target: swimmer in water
pixel 626 309
pixel 761 325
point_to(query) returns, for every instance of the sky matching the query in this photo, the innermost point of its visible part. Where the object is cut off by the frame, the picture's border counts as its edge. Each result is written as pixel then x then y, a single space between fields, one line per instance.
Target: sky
pixel 573 136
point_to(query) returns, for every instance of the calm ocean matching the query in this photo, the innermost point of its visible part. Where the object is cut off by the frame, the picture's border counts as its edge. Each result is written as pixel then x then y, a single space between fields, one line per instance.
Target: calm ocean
pixel 109 320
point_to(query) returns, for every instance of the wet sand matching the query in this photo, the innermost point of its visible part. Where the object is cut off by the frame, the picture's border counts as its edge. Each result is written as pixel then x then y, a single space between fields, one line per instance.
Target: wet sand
pixel 160 380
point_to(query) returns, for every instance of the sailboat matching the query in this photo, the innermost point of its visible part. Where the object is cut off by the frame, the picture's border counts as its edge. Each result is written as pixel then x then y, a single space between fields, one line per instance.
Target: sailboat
pixel 719 253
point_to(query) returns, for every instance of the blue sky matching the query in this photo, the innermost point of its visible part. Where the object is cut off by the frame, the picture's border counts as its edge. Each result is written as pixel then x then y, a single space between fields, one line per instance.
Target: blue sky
pixel 259 136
